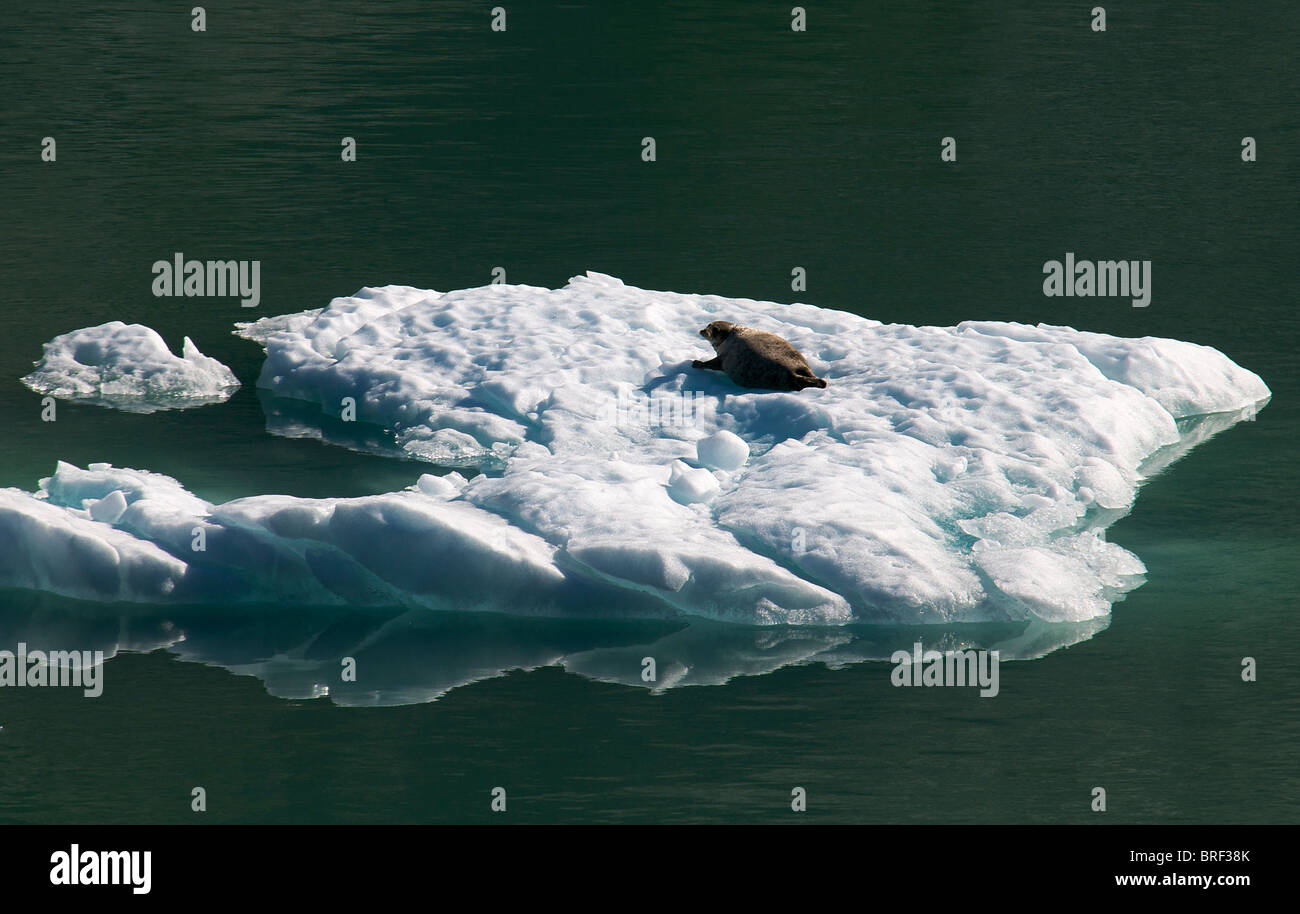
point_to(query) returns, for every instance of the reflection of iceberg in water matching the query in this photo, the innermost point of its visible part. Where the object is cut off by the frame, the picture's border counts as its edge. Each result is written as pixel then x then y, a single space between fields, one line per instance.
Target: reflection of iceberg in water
pixel 1194 431
pixel 411 657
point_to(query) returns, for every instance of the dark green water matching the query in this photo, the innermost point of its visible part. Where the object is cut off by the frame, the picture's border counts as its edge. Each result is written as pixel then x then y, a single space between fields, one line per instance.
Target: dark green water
pixel 522 150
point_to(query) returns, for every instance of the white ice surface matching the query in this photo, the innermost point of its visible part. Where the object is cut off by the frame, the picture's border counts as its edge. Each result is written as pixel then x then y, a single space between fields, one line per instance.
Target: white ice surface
pixel 945 475
pixel 129 367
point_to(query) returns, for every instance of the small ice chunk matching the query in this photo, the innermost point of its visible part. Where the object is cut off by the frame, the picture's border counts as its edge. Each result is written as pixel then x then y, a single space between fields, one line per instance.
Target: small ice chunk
pixel 110 508
pixel 722 450
pixel 1104 484
pixel 948 470
pixel 129 367
pixel 448 486
pixel 690 486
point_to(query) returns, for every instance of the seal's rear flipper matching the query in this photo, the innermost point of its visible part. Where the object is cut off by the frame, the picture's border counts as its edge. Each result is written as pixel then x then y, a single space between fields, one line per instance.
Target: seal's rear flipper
pixel 802 381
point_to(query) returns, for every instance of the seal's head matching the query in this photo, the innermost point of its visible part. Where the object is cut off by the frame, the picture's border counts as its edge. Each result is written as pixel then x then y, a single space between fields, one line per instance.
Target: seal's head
pixel 717 331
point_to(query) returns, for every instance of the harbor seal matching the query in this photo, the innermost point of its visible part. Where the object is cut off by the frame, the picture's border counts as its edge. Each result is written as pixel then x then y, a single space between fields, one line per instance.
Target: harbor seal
pixel 756 358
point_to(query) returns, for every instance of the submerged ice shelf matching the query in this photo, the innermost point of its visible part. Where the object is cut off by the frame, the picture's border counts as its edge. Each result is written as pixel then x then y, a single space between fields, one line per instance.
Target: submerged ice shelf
pixel 946 475
pixel 129 367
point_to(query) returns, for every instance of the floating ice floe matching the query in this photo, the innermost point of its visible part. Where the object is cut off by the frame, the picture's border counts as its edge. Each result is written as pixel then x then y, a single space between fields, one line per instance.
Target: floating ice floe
pixel 129 367
pixel 946 475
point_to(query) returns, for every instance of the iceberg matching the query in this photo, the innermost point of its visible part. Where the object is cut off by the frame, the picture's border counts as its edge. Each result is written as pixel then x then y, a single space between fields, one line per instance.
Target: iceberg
pixel 129 367
pixel 946 476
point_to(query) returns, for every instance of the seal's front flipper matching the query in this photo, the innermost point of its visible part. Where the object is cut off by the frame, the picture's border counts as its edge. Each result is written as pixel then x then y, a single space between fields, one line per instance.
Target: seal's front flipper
pixel 715 363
